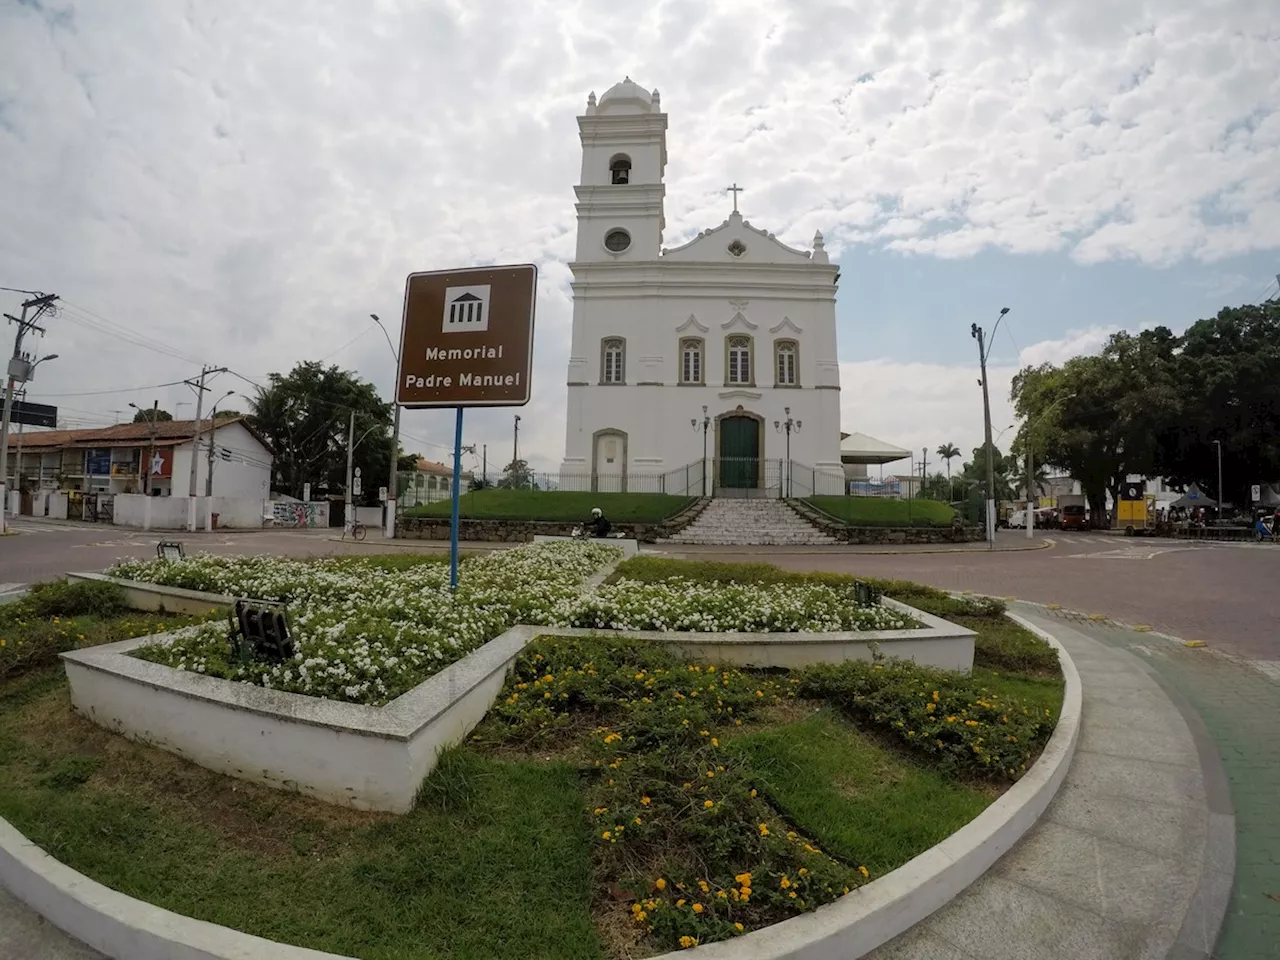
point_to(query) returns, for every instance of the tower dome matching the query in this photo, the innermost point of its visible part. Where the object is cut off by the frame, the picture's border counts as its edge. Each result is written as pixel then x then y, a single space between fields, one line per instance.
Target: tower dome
pixel 628 89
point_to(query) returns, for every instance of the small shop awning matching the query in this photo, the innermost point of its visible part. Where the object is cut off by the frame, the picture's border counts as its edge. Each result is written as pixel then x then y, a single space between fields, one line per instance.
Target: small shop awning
pixel 860 448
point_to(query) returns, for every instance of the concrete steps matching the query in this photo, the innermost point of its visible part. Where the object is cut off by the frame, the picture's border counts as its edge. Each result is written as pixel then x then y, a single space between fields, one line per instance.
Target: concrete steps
pixel 747 522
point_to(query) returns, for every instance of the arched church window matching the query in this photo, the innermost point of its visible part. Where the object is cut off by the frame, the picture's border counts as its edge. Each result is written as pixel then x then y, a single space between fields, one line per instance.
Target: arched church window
pixel 738 361
pixel 785 354
pixel 620 168
pixel 691 360
pixel 613 356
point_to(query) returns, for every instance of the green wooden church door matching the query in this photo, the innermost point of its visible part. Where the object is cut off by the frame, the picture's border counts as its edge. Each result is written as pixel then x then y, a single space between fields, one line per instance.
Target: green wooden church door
pixel 739 452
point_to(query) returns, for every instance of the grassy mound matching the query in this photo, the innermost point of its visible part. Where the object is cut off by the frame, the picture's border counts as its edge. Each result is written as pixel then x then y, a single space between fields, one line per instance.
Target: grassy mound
pixel 561 506
pixel 883 512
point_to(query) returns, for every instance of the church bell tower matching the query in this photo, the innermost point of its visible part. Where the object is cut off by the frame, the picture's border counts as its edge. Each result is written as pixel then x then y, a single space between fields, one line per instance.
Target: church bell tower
pixel 620 191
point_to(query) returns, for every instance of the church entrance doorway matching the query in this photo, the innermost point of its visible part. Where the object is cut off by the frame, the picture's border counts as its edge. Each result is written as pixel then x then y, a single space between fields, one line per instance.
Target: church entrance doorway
pixel 609 462
pixel 739 452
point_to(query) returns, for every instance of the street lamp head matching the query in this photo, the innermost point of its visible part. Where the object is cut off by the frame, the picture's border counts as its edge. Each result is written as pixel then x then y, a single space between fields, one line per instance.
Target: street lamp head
pixel 704 409
pixel 134 405
pixel 777 426
pixel 1003 311
pixel 375 318
pixel 797 426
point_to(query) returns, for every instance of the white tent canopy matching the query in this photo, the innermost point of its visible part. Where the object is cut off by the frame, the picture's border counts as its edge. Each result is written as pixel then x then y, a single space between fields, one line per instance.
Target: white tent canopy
pixel 860 448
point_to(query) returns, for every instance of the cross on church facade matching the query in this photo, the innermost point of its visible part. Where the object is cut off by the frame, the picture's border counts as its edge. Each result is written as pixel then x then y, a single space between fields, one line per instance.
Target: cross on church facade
pixel 735 190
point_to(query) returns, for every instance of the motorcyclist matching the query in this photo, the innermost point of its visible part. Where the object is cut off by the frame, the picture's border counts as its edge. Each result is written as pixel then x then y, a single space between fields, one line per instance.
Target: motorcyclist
pixel 598 525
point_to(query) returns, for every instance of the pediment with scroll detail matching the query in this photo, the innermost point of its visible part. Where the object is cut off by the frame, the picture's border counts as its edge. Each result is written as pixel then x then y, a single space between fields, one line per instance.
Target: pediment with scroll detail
pixel 738 320
pixel 692 322
pixel 786 323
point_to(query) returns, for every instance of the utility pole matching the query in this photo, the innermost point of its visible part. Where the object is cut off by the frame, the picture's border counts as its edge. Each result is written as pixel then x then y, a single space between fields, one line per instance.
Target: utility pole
pixel 977 333
pixel 347 516
pixel 924 469
pixel 213 429
pixel 389 525
pixel 484 465
pixel 151 449
pixel 515 441
pixel 199 387
pixel 1218 444
pixel 19 372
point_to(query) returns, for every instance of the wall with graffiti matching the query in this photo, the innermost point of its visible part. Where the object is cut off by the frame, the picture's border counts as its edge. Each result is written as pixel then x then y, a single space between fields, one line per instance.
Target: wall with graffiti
pixel 295 513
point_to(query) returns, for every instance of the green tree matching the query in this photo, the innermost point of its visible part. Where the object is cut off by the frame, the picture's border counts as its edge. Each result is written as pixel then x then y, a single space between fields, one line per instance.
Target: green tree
pixel 408 461
pixel 1104 417
pixel 948 452
pixel 224 414
pixel 144 416
pixel 305 417
pixel 516 475
pixel 1228 376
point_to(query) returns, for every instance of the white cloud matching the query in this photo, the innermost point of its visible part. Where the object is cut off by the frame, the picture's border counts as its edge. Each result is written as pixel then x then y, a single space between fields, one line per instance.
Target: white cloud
pixel 247 185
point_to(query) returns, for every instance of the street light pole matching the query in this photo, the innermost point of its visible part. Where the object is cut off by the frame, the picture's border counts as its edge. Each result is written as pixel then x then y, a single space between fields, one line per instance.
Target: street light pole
pixel 515 440
pixel 1218 444
pixel 208 478
pixel 390 527
pixel 787 425
pixel 705 422
pixel 19 372
pixel 977 333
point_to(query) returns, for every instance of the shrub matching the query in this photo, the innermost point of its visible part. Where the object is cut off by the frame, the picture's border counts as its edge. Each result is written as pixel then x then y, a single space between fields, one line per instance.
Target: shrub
pixel 63 598
pixel 951 720
pixel 1003 645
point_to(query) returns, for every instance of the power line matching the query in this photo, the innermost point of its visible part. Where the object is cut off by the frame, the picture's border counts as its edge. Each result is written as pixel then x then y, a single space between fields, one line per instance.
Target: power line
pixel 347 344
pixel 88 320
pixel 103 393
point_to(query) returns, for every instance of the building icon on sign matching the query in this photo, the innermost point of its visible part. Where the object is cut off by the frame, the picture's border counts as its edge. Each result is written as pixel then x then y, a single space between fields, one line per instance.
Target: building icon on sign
pixel 466 309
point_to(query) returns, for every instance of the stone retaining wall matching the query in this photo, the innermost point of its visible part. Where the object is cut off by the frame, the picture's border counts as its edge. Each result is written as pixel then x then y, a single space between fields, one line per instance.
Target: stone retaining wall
pixel 523 531
pixel 851 534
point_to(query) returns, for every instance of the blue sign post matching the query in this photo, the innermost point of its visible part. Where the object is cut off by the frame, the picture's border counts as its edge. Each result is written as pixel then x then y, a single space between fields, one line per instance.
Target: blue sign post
pixel 453 527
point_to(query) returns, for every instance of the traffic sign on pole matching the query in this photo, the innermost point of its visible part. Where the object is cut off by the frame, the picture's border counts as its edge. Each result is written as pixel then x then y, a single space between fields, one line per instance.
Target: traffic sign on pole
pixel 466 337
pixel 1255 492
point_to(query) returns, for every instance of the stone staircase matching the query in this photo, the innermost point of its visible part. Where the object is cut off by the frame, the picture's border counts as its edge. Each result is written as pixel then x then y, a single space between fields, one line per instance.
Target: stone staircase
pixel 748 522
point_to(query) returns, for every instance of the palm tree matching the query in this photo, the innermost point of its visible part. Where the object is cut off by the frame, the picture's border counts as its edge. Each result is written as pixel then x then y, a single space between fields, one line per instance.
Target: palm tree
pixel 946 452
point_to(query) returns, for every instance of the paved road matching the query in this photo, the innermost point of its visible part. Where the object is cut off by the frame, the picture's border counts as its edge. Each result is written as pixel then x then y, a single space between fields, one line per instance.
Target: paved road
pixel 1225 594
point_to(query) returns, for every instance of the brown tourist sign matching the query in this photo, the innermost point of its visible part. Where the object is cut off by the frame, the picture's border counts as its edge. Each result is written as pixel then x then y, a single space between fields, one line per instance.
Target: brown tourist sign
pixel 466 339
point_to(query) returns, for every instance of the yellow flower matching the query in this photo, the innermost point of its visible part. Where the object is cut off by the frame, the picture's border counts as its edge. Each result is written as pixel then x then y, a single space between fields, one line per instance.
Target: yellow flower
pixel 864 871
pixel 753 791
pixel 681 902
pixel 600 810
pixel 704 733
pixel 715 742
pixel 688 941
pixel 645 801
pixel 744 879
pixel 738 927
pixel 784 883
pixel 792 894
pixel 636 908
pixel 638 820
pixel 935 696
pixel 764 830
pixel 660 884
pixel 930 707
pixel 697 908
pixel 606 835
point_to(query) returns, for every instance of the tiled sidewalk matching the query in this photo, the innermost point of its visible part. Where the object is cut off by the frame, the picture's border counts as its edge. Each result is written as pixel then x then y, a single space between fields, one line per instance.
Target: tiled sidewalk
pixel 1131 861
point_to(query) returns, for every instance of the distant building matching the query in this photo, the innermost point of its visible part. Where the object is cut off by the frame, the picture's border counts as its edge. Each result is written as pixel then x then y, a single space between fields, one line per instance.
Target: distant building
pixel 135 458
pixel 428 482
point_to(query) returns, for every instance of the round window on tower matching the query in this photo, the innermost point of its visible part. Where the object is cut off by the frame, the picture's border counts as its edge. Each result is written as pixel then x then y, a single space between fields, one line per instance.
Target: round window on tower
pixel 616 241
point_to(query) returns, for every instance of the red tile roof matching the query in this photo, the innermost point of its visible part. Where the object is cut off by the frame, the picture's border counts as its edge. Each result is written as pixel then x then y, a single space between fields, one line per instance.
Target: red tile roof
pixel 168 433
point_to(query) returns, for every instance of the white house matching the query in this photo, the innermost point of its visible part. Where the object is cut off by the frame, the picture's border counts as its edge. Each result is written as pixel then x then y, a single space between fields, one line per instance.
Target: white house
pixel 727 341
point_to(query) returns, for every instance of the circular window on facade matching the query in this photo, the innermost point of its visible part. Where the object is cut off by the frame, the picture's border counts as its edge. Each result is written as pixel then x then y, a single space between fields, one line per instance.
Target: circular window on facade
pixel 737 248
pixel 615 241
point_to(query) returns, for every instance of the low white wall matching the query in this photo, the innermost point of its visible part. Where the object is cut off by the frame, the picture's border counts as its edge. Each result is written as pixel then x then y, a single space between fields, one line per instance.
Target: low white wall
pixel 235 513
pixel 300 514
pixel 57 506
pixel 369 516
pixel 129 510
pixel 155 597
pixel 629 548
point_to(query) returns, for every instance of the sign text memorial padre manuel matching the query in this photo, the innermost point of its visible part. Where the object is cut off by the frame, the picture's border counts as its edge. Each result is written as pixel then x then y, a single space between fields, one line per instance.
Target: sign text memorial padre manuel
pixel 467 337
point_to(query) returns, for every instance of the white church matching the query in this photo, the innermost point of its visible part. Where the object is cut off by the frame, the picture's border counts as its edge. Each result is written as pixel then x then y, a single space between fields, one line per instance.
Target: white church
pixel 702 363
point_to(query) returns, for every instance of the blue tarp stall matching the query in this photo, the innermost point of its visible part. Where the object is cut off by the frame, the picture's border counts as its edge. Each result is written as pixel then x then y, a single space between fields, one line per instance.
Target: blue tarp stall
pixel 1193 498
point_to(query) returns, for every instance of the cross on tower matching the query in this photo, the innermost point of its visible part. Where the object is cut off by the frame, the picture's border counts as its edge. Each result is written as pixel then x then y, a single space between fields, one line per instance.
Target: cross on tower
pixel 735 190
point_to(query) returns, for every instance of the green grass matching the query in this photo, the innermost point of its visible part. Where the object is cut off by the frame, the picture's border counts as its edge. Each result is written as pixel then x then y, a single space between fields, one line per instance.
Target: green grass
pixel 492 863
pixel 59 616
pixel 557 505
pixel 882 512
pixel 862 802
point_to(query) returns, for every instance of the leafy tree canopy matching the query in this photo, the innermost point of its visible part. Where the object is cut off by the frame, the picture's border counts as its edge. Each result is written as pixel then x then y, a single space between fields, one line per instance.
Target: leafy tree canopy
pixel 305 415
pixel 144 416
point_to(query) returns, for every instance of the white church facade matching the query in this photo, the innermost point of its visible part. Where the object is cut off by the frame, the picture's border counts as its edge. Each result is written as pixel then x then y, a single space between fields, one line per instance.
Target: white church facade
pixel 727 341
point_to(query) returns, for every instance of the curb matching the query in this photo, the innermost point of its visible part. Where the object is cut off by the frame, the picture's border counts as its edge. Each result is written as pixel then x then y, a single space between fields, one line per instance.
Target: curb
pixel 125 928
pixel 840 550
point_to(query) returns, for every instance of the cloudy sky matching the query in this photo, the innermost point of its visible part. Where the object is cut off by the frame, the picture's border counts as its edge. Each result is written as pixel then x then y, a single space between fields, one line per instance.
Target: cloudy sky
pixel 242 182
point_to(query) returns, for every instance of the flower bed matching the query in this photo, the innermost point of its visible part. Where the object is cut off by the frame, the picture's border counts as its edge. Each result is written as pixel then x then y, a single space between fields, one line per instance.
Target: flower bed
pixel 684 604
pixel 363 633
pixel 367 634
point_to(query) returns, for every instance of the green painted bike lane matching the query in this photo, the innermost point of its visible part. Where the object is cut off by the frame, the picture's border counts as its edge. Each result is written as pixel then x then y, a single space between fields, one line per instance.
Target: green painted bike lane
pixel 1240 709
